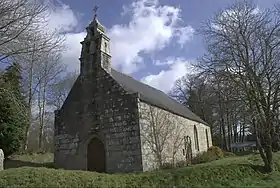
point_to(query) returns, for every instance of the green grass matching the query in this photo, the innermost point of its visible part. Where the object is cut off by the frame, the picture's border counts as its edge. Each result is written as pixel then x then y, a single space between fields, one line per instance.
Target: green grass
pixel 237 171
pixel 30 160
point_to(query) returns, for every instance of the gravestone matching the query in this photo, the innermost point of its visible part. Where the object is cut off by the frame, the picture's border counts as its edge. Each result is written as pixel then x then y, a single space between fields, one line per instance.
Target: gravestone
pixel 1 160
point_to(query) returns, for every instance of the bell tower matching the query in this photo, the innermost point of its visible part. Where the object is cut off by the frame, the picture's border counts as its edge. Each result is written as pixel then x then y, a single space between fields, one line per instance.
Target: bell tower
pixel 95 54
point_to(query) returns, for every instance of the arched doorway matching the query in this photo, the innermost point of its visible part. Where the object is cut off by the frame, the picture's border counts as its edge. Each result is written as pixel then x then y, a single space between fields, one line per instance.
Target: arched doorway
pixel 96 159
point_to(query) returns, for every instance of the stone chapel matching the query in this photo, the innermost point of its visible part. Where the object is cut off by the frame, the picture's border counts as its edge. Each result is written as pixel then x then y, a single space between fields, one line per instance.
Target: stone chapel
pixel 102 125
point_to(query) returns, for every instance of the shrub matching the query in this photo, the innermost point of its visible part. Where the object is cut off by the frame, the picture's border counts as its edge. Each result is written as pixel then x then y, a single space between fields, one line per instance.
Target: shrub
pixel 166 166
pixel 216 151
pixel 213 153
pixel 13 117
pixel 181 164
pixel 203 158
pixel 169 165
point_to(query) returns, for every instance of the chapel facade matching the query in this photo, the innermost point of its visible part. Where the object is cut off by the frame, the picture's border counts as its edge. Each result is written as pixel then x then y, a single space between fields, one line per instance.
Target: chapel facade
pixel 111 122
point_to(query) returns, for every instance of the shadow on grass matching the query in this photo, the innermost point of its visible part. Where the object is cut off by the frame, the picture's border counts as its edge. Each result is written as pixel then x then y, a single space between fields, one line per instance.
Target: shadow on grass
pixel 243 153
pixel 10 163
pixel 257 168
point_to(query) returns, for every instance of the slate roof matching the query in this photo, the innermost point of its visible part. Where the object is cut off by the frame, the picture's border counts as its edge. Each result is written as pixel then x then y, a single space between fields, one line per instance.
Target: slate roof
pixel 154 96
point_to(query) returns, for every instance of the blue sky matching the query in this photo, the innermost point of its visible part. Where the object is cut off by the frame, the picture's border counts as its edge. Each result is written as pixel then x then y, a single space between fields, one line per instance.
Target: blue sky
pixel 152 40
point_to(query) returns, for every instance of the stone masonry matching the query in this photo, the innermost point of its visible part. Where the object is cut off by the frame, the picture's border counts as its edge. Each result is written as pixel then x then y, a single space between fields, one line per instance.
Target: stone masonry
pixel 98 107
pixel 1 160
pixel 115 123
pixel 180 127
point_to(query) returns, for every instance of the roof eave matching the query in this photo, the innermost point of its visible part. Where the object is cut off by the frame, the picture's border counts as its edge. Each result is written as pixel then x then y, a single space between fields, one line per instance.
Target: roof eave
pixel 143 100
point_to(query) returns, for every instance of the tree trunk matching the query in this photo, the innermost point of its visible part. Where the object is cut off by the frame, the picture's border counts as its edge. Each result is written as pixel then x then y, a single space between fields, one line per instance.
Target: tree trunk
pixel 265 149
pixel 243 133
pixel 40 116
pixel 224 136
pixel 221 137
pixel 30 98
pixel 228 128
pixel 235 131
pixel 269 155
pixel 221 112
pixel 266 155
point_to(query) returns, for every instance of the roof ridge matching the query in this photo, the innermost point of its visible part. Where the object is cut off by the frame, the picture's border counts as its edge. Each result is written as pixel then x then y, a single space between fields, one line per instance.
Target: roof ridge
pixel 140 82
pixel 154 96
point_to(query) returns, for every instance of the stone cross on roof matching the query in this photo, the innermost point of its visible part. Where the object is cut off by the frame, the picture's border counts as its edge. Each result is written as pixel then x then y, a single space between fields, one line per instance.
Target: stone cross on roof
pixel 95 11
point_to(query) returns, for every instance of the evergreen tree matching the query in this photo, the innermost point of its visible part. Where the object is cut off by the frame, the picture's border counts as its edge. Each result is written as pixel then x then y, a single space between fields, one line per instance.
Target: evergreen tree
pixel 13 119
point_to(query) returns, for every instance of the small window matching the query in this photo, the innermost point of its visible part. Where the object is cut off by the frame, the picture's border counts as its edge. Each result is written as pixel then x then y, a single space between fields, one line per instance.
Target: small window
pixel 206 132
pixel 196 143
pixel 106 46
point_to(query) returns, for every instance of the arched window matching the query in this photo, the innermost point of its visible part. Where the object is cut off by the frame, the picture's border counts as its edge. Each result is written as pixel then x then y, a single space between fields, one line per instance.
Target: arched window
pixel 206 132
pixel 196 144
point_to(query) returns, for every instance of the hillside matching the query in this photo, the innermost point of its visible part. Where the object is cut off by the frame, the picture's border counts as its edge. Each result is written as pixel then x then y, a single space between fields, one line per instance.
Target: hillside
pixel 229 172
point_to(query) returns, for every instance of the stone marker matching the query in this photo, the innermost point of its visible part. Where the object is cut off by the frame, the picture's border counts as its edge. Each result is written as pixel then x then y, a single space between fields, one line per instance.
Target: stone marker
pixel 1 160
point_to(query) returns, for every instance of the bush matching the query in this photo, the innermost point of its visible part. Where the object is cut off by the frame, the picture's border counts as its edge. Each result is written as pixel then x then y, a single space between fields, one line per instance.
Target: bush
pixel 212 154
pixel 224 173
pixel 166 166
pixel 179 164
pixel 216 151
pixel 11 125
pixel 203 158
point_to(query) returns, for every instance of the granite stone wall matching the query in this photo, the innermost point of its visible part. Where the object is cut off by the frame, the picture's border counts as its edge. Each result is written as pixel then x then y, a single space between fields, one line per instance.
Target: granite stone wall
pixel 66 135
pixel 98 107
pixel 119 122
pixel 173 128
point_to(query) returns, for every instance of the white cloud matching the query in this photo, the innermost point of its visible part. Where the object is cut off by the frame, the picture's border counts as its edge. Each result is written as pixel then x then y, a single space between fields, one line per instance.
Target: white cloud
pixel 151 28
pixel 165 79
pixel 168 61
pixel 58 16
pixel 184 34
pixel 62 18
pixel 73 49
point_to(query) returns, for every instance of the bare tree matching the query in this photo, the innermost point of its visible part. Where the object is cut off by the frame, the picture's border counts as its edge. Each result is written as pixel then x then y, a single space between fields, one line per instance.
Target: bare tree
pixel 47 138
pixel 58 91
pixel 26 39
pixel 162 133
pixel 242 48
pixel 46 76
pixel 20 21
pixel 198 93
pixel 182 89
pixel 39 68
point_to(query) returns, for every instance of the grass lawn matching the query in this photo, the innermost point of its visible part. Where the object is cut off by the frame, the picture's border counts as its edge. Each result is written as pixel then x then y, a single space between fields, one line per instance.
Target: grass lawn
pixel 239 171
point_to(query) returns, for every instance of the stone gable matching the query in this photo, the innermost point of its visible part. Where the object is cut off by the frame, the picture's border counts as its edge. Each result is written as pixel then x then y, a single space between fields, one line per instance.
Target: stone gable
pixel 110 114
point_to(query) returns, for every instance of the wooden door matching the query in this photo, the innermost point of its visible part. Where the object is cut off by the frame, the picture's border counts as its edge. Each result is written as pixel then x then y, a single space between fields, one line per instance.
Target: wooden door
pixel 96 159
